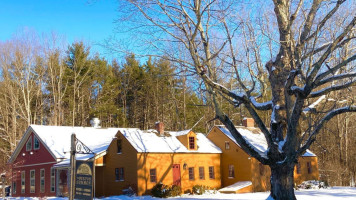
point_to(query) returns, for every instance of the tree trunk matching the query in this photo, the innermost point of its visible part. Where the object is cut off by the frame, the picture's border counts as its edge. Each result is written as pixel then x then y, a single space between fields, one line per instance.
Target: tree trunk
pixel 282 182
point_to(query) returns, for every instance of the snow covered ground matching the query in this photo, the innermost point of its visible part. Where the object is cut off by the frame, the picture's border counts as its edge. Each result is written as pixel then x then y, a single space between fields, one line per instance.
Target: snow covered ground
pixel 334 193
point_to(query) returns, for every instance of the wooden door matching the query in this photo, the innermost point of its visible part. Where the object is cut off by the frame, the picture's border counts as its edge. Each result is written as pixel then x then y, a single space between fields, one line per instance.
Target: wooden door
pixel 176 174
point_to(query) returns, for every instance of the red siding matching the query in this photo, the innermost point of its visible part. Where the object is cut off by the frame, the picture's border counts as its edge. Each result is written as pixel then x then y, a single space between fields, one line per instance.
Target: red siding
pixel 37 192
pixel 33 160
pixel 37 156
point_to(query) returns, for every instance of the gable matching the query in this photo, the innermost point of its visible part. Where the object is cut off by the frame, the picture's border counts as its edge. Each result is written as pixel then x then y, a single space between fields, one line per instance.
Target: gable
pixel 253 136
pixel 219 139
pixel 27 153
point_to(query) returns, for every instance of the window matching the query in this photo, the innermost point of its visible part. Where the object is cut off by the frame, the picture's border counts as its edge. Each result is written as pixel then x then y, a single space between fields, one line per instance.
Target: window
pixel 53 176
pixel 14 178
pixel 32 181
pixel 262 169
pixel 23 182
pixel 119 146
pixel 42 180
pixel 201 173
pixel 211 172
pixel 227 145
pixel 153 176
pixel 119 174
pixel 309 167
pixel 298 168
pixel 36 144
pixel 231 171
pixel 191 143
pixel 29 144
pixel 191 173
pixel 14 187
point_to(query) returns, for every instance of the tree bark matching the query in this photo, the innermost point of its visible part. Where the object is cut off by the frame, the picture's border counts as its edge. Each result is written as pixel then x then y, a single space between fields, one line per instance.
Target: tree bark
pixel 282 182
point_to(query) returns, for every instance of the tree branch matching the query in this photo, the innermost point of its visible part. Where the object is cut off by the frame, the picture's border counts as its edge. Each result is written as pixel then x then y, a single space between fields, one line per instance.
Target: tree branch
pixel 332 88
pixel 320 125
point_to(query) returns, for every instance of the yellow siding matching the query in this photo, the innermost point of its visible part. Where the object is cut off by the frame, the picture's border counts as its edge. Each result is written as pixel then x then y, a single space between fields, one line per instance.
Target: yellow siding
pixel 99 161
pixel 163 165
pixel 260 176
pixel 233 156
pixel 127 159
pixel 248 169
pixel 304 175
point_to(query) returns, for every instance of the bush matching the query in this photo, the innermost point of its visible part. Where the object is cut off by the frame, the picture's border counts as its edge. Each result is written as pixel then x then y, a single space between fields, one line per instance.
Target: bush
pixel 175 190
pixel 188 191
pixel 312 185
pixel 160 190
pixel 199 189
pixel 163 191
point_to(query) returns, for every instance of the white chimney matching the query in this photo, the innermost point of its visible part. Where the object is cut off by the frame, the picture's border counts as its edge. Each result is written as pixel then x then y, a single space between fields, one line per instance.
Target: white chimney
pixel 95 123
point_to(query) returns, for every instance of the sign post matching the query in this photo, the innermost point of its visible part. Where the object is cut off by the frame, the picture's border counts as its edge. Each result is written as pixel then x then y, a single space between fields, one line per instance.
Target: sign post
pixel 82 172
pixel 72 166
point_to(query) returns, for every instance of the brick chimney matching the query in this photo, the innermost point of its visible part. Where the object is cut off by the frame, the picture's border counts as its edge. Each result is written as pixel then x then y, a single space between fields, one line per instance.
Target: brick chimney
pixel 248 122
pixel 160 128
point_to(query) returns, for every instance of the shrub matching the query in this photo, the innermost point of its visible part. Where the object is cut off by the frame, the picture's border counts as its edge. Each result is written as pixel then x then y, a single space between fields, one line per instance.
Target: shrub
pixel 175 190
pixel 160 190
pixel 188 191
pixel 163 191
pixel 199 189
pixel 312 185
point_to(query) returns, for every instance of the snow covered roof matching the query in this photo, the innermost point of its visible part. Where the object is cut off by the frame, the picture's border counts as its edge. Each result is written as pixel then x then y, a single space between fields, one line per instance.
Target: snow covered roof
pixel 255 137
pixel 236 186
pixel 149 141
pixel 57 138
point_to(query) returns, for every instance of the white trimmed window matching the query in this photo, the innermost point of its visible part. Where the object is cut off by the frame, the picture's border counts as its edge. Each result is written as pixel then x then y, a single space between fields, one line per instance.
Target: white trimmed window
pixel 36 143
pixel 23 182
pixel 191 173
pixel 14 178
pixel 201 173
pixel 119 174
pixel 29 144
pixel 231 171
pixel 211 172
pixel 153 176
pixel 53 176
pixel 42 180
pixel 227 145
pixel 32 181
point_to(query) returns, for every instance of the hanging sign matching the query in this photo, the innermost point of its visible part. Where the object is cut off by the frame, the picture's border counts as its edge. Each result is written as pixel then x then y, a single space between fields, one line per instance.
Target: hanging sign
pixel 84 180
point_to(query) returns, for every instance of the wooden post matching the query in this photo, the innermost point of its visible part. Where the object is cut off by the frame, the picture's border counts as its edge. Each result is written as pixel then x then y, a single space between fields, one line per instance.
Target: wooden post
pixel 72 167
pixel 3 186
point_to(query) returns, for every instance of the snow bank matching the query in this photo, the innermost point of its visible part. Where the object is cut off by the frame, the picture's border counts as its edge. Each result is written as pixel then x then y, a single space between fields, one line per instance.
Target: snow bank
pixel 334 193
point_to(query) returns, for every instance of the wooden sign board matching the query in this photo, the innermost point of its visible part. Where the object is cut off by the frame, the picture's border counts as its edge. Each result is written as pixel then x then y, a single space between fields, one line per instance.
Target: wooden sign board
pixel 84 180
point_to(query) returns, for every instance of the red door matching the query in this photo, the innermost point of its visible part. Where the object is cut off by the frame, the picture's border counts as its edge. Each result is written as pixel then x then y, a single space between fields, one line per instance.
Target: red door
pixel 176 174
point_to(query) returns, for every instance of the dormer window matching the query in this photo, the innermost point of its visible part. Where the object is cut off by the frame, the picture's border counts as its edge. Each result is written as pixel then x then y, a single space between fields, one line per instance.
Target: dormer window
pixel 191 142
pixel 36 144
pixel 29 144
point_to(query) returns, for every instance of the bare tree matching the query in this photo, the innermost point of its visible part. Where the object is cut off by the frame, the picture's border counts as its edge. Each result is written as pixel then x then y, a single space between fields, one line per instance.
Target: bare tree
pixel 297 60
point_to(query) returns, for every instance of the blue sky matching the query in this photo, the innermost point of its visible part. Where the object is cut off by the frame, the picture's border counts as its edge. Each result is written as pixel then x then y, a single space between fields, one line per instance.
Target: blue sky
pixel 89 20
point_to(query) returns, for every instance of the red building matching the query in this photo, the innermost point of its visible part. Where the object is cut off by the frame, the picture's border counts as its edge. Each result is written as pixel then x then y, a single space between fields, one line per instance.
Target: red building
pixel 35 161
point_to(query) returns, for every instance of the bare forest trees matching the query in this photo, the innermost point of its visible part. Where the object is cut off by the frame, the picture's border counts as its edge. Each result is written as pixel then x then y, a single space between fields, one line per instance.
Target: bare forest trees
pixel 297 43
pixel 42 82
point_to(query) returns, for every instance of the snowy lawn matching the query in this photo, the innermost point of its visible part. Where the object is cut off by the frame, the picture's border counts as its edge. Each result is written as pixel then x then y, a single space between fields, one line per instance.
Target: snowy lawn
pixel 334 193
